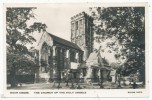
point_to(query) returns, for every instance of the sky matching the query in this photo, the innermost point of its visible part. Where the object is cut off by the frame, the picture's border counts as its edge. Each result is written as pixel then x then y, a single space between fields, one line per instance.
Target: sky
pixel 57 19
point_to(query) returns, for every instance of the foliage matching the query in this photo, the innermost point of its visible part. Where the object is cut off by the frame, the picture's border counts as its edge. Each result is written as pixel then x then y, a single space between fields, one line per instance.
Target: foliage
pixel 18 32
pixel 18 35
pixel 125 26
pixel 23 64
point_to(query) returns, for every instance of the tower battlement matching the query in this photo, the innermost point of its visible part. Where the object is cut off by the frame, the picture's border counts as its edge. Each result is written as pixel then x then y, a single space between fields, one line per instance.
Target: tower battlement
pixel 82 14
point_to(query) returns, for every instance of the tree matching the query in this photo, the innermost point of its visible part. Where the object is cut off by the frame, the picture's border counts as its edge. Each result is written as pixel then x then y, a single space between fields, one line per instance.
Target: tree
pixel 126 27
pixel 18 35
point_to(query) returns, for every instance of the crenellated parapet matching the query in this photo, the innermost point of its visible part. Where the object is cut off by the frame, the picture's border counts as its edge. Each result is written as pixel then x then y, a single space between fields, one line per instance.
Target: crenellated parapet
pixel 81 15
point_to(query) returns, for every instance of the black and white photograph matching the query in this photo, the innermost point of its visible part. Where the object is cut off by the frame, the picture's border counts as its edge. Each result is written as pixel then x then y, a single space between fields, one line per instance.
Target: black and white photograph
pixel 75 47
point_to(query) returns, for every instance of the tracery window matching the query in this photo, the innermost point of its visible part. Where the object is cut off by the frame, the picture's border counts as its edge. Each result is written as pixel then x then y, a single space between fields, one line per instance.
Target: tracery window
pixel 44 57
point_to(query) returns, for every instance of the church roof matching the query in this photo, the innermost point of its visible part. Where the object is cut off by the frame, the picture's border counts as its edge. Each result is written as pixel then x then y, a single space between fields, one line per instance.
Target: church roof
pixel 96 59
pixel 64 42
pixel 93 58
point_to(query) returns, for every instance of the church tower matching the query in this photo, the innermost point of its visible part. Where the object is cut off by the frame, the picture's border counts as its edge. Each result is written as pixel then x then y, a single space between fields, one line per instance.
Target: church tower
pixel 82 32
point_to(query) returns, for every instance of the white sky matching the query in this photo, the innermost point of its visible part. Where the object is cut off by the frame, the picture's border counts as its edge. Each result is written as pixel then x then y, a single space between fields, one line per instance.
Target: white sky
pixel 58 21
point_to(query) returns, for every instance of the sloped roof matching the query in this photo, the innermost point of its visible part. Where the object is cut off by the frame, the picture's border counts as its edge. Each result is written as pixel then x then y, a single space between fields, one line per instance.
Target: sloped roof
pixel 95 59
pixel 64 42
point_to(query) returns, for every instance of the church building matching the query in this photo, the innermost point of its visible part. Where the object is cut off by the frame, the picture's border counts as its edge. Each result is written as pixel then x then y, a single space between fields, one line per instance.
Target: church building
pixel 57 56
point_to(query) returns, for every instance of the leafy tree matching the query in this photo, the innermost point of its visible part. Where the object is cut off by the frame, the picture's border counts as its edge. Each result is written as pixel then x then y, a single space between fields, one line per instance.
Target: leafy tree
pixel 125 26
pixel 18 35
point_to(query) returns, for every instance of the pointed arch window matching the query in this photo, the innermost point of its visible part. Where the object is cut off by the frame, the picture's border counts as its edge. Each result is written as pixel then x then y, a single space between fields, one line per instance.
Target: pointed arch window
pixel 72 56
pixel 76 25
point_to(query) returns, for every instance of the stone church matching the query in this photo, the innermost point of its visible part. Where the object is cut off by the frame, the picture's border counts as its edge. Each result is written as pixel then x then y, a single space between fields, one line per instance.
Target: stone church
pixel 58 56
